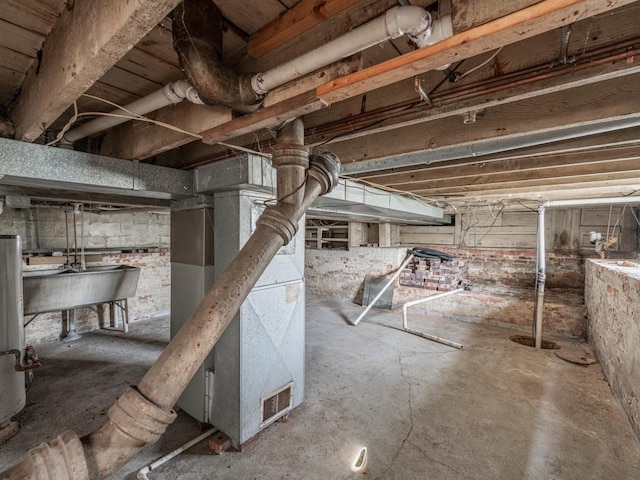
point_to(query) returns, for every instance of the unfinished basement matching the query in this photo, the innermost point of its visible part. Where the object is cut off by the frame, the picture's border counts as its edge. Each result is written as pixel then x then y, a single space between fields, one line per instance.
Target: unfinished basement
pixel 319 239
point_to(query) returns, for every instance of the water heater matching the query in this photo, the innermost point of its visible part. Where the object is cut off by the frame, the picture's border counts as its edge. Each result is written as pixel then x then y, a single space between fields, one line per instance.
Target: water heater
pixel 12 383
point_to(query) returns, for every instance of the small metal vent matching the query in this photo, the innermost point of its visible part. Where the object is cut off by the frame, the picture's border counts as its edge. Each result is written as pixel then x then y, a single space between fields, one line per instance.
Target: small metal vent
pixel 276 404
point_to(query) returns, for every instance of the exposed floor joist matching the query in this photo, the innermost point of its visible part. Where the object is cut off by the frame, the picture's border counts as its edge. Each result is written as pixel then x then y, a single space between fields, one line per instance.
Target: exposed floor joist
pixel 526 123
pixel 298 19
pixel 526 23
pixel 88 40
pixel 544 16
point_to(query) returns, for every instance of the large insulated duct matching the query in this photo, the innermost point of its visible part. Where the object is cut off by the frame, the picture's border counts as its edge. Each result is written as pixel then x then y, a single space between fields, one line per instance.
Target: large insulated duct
pixel 141 415
pixel 197 38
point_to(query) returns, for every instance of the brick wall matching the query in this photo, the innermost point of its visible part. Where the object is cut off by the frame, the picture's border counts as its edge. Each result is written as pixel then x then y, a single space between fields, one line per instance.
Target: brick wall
pixel 612 295
pixel 43 229
pixel 499 250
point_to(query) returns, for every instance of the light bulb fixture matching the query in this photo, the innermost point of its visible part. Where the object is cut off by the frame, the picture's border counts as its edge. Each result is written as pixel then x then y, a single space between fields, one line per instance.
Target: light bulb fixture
pixel 76 209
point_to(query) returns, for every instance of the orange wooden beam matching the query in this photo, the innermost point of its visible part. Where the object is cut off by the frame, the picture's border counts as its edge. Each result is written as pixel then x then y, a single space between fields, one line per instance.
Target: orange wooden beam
pixel 526 23
pixel 295 21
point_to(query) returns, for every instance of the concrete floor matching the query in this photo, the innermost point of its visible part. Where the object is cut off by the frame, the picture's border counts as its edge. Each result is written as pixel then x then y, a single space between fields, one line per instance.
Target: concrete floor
pixel 495 410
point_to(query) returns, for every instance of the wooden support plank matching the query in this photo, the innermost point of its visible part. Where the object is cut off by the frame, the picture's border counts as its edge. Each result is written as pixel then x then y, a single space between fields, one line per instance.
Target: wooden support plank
pixel 31 14
pixel 458 170
pixel 564 78
pixel 534 20
pixel 291 23
pixel 284 103
pixel 539 193
pixel 139 140
pixel 90 38
pixel 466 15
pixel 250 16
pixel 532 185
pixel 614 98
pixel 20 40
pixel 142 141
pixel 626 140
pixel 268 117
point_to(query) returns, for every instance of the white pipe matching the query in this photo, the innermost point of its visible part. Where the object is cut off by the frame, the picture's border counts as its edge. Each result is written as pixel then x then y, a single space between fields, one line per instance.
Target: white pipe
pixel 170 94
pixel 384 289
pixel 541 276
pixel 591 201
pixel 142 473
pixel 436 339
pixel 423 300
pixel 407 20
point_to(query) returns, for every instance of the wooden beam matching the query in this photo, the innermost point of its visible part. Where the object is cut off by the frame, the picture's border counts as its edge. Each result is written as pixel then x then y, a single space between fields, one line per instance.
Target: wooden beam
pixel 542 174
pixel 472 172
pixel 470 167
pixel 596 179
pixel 619 141
pixel 140 140
pixel 284 103
pixel 137 141
pixel 567 78
pixel 534 20
pixel 295 21
pixel 466 15
pixel 86 42
pixel 586 105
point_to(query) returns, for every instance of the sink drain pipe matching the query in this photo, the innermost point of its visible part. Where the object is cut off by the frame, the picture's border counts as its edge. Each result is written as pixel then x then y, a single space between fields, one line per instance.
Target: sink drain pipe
pixel 141 415
pixel 541 250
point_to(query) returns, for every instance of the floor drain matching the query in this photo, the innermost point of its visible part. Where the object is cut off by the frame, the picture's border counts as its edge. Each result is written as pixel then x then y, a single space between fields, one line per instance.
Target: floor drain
pixel 531 341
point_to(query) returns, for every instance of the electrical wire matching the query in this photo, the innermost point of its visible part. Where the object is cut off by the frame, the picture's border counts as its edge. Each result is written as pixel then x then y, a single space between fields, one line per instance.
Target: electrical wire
pixel 477 67
pixel 135 116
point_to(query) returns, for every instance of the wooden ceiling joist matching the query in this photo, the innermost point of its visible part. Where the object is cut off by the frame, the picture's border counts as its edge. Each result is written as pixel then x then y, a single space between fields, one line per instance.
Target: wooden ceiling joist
pixel 526 23
pixel 618 98
pixel 87 41
pixel 300 18
pixel 539 18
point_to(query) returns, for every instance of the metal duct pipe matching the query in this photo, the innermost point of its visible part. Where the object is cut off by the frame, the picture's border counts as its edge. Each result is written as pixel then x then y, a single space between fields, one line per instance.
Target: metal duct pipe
pixel 408 20
pixel 197 38
pixel 142 414
pixel 541 253
pixel 170 94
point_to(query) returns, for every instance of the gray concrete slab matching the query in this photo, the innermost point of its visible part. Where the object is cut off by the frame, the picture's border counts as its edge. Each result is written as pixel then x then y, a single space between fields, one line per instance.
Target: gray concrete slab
pixel 494 410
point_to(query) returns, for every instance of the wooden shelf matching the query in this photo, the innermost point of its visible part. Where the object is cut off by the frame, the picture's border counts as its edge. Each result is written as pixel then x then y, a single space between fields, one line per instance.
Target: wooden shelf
pixel 327 237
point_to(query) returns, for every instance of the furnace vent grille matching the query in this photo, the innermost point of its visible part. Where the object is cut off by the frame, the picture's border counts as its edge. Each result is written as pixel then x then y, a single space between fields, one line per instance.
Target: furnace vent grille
pixel 276 404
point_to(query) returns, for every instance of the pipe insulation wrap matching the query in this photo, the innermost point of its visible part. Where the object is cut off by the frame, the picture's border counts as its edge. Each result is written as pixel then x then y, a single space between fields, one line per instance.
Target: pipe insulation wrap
pixel 398 21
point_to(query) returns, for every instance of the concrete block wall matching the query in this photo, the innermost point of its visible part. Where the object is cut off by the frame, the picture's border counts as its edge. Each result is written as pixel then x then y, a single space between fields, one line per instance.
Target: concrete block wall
pixel 43 229
pixel 612 296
